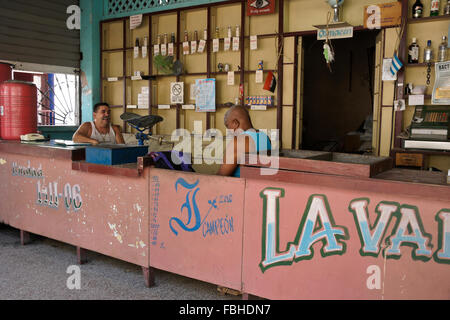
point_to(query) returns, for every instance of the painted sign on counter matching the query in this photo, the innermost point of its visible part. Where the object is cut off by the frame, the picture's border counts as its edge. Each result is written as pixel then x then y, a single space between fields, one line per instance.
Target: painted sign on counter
pixel 49 193
pixel 200 218
pixel 318 224
pixel 330 243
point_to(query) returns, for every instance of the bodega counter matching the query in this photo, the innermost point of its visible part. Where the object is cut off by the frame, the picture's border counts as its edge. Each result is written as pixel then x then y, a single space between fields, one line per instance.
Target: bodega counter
pixel 323 226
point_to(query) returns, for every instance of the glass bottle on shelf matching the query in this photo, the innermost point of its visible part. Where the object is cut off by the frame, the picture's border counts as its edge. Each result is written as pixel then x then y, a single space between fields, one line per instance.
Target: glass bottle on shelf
pixel 434 8
pixel 172 38
pixel 417 9
pixel 165 38
pixel 428 53
pixel 186 37
pixel 447 8
pixel 195 36
pixel 229 32
pixel 205 34
pixel 413 52
pixel 238 31
pixel 443 50
pixel 217 33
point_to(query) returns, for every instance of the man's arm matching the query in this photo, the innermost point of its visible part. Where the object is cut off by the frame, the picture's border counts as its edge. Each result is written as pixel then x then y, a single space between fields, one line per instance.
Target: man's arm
pixel 119 136
pixel 82 134
pixel 233 153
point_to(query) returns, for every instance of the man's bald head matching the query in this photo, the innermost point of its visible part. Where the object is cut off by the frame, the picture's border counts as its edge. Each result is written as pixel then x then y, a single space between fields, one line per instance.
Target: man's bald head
pixel 237 117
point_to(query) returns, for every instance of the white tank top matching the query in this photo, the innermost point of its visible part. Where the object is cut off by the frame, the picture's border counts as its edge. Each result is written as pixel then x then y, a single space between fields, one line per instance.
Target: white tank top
pixel 103 138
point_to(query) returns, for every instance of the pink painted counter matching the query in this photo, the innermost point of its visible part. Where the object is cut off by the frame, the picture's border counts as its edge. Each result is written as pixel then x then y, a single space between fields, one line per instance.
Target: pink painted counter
pixel 45 196
pixel 314 230
pixel 309 235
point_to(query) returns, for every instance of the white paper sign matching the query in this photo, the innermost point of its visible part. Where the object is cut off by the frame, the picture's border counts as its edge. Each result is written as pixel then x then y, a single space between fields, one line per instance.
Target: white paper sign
pixel 416 99
pixel 144 52
pixel 163 106
pixel 186 47
pixel 201 46
pixel 193 92
pixel 387 75
pixel 113 79
pixel 336 33
pixel 170 49
pixel 230 81
pixel 258 107
pixel 145 90
pixel 259 76
pixel 226 44
pixel 193 47
pixel 136 78
pixel 235 43
pixel 177 92
pixel 156 49
pixel 188 106
pixel 215 45
pixel 163 50
pixel 135 21
pixel 136 52
pixel 131 106
pixel 253 42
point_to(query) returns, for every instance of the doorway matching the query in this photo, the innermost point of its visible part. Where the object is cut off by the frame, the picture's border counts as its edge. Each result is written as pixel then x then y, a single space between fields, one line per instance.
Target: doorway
pixel 338 104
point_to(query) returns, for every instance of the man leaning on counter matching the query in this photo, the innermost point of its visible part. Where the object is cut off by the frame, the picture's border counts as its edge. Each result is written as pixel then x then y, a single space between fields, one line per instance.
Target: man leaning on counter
pixel 100 130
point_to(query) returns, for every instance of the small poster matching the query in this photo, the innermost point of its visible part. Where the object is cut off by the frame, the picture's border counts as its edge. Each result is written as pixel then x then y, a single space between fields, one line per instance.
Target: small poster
pixel 254 42
pixel 135 21
pixel 259 76
pixel 201 46
pixel 215 45
pixel 226 44
pixel 441 89
pixel 230 80
pixel 177 93
pixel 235 43
pixel 193 47
pixel 258 7
pixel 186 47
pixel 163 50
pixel 206 95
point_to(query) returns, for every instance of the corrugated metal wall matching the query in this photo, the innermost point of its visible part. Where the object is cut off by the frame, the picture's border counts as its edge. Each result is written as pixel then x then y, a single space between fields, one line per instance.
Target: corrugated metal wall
pixel 35 31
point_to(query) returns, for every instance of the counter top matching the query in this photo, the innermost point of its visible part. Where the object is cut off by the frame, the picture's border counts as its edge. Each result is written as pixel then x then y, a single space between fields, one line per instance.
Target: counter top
pixel 45 149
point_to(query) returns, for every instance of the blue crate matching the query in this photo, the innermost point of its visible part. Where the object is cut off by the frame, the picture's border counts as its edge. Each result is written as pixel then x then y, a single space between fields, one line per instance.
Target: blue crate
pixel 114 154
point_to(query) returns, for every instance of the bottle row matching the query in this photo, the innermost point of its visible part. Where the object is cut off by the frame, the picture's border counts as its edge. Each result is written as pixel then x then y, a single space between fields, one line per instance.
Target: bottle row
pixel 428 53
pixel 417 8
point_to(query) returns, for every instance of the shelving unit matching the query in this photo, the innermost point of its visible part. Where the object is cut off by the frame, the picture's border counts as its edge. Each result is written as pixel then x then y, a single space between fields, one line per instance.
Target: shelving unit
pixel 118 62
pixel 426 28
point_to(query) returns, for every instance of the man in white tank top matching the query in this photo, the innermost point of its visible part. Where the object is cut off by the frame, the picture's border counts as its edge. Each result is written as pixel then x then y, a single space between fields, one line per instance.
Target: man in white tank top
pixel 100 130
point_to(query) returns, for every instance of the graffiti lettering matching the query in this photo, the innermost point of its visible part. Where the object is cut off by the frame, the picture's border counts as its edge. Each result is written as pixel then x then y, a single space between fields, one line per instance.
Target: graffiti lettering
pixel 301 248
pixel 219 226
pixel 317 224
pixel 27 171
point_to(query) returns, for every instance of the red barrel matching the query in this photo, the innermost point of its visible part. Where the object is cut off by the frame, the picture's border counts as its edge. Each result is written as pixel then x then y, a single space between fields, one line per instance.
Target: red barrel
pixel 5 71
pixel 18 109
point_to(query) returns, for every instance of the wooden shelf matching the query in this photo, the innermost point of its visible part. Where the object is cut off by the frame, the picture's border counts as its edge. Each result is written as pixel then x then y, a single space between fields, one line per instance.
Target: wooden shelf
pixel 423 64
pixel 428 19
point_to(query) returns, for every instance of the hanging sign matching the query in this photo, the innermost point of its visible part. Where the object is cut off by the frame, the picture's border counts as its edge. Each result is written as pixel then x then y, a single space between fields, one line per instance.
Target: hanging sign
pixel 260 7
pixel 381 15
pixel 335 33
